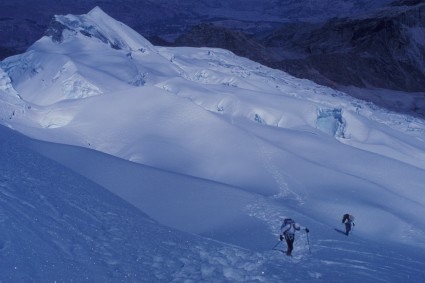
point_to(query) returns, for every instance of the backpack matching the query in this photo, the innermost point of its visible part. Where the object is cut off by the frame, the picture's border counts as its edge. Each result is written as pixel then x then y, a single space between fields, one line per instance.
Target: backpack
pixel 348 217
pixel 287 221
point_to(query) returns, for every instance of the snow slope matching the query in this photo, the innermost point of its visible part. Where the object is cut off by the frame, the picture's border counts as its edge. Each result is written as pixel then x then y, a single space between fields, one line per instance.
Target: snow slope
pixel 58 226
pixel 203 142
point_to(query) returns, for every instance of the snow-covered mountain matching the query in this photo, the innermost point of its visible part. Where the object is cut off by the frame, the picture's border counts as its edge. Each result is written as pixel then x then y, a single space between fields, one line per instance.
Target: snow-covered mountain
pixel 202 153
pixel 169 22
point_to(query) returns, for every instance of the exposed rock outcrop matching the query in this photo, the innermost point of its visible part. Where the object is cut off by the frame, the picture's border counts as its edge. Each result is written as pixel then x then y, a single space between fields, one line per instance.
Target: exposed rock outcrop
pixel 384 50
pixel 209 35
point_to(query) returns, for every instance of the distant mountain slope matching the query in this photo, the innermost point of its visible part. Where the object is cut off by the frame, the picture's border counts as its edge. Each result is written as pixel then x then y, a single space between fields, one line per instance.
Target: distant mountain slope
pixel 210 35
pixel 23 22
pixel 382 50
pixel 274 10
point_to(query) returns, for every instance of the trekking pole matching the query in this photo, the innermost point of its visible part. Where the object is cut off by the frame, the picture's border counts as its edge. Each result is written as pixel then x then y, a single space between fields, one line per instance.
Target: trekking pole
pixel 308 241
pixel 276 245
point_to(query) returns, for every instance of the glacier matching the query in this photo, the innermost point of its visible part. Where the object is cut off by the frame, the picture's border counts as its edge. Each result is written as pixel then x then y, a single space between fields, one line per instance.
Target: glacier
pixel 128 162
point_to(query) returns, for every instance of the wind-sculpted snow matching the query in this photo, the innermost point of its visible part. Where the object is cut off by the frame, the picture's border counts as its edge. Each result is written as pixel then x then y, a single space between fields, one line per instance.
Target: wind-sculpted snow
pixel 57 225
pixel 77 87
pixel 213 146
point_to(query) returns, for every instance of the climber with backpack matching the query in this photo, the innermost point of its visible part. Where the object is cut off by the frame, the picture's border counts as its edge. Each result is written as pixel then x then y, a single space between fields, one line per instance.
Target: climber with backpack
pixel 288 229
pixel 348 220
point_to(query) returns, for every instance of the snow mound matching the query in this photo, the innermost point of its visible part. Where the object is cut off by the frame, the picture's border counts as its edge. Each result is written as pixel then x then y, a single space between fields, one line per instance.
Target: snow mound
pixel 77 87
pixel 57 75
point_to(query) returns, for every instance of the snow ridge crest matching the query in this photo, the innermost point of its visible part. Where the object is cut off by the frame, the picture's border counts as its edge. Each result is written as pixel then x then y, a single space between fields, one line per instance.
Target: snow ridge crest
pixel 100 26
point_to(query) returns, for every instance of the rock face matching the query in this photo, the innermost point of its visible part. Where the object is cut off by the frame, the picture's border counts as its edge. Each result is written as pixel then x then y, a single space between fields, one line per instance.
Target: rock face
pixel 384 50
pixel 209 35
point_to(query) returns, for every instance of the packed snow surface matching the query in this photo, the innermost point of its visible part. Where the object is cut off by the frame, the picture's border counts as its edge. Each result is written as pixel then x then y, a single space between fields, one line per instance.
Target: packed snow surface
pixel 153 164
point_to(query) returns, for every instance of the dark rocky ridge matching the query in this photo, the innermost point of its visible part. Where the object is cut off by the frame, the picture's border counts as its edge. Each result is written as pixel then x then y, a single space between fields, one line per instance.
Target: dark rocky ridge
pixel 378 51
pixel 209 35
